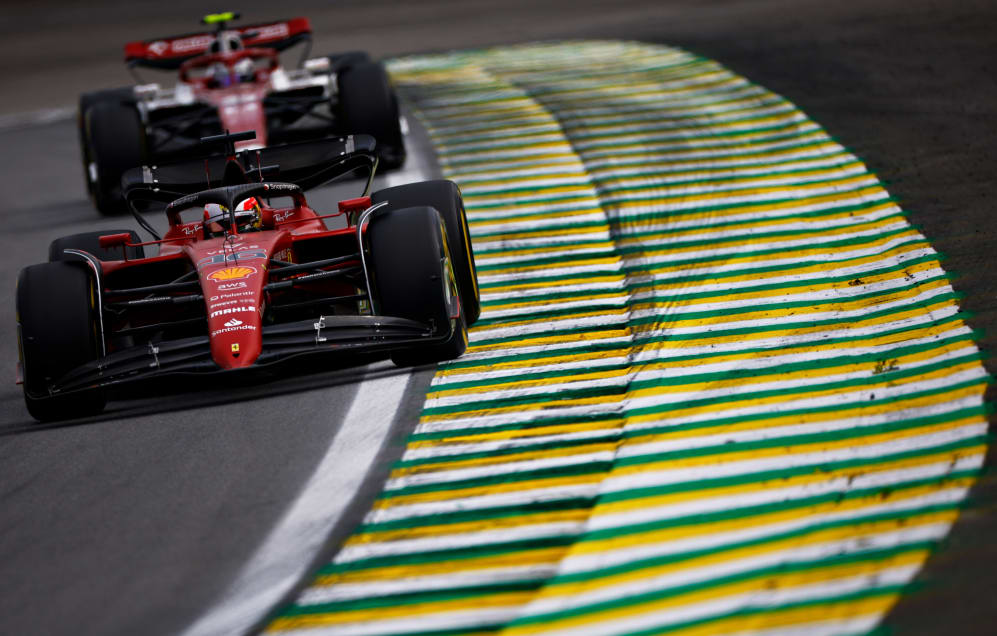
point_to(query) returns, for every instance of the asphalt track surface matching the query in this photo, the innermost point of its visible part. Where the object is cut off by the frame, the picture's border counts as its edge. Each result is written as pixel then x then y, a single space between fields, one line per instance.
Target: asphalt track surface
pixel 138 521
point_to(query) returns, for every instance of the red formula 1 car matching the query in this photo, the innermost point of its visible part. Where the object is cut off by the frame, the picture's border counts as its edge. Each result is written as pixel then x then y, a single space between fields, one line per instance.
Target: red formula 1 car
pixel 231 79
pixel 247 276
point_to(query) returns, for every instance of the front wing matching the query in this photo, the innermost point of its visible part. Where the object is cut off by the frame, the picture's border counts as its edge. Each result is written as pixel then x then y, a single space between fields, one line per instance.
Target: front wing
pixel 344 335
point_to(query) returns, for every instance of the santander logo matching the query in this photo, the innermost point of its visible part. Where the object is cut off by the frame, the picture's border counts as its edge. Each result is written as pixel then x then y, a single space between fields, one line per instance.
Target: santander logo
pixel 235 322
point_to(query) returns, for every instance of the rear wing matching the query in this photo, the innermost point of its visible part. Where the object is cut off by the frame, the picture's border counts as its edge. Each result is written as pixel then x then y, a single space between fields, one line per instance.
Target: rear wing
pixel 307 164
pixel 169 53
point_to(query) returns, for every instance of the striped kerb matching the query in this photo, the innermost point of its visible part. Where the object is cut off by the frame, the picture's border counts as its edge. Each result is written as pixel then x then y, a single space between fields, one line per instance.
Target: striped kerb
pixel 720 384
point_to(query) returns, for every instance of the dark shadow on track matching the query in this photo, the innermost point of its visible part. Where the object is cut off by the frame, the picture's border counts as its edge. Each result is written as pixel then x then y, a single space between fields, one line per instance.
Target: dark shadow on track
pixel 172 395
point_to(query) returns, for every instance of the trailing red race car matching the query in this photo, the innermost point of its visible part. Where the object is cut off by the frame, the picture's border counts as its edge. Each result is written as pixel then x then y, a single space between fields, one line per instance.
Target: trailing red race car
pixel 248 275
pixel 231 79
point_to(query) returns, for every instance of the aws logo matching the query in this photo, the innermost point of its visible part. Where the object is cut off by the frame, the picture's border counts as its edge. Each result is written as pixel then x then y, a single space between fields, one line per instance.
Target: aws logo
pixel 232 273
pixel 231 286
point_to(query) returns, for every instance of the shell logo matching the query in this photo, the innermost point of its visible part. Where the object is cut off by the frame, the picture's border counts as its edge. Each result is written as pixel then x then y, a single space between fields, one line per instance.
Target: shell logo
pixel 231 273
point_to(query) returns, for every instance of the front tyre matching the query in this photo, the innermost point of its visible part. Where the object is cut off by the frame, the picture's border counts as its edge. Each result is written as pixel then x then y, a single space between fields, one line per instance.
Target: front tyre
pixel 446 198
pixel 413 278
pixel 57 332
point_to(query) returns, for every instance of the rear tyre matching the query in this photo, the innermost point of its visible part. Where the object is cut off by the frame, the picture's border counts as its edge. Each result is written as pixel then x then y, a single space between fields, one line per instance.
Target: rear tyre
pixel 445 197
pixel 57 332
pixel 115 140
pixel 342 61
pixel 368 106
pixel 124 95
pixel 90 242
pixel 412 278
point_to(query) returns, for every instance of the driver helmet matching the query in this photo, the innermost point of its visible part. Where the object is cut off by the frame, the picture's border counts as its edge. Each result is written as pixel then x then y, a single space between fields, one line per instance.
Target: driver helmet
pixel 219 73
pixel 248 217
pixel 244 70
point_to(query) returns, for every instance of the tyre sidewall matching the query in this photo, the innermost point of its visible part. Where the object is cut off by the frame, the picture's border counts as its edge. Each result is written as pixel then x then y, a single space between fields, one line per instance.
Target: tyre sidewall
pixel 339 62
pixel 367 105
pixel 115 139
pixel 125 95
pixel 409 272
pixel 57 332
pixel 445 197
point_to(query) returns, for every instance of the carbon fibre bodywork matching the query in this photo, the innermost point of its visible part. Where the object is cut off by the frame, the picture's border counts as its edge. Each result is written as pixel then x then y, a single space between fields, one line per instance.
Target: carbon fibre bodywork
pixel 225 296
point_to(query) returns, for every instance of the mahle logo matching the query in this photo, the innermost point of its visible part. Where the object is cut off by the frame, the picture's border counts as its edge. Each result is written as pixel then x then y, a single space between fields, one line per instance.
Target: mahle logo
pixel 231 310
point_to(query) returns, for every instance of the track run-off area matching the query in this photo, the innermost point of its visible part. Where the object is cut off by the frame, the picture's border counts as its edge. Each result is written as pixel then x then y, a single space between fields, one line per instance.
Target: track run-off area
pixel 720 383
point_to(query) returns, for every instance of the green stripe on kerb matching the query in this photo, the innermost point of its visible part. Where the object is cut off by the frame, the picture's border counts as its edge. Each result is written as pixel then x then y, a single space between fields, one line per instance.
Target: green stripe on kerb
pixel 744 270
pixel 775 440
pixel 709 339
pixel 825 363
pixel 803 531
pixel 789 285
pixel 803 323
pixel 800 505
pixel 593 466
pixel 439 521
pixel 663 232
pixel 614 347
pixel 421 597
pixel 663 249
pixel 874 296
pixel 561 420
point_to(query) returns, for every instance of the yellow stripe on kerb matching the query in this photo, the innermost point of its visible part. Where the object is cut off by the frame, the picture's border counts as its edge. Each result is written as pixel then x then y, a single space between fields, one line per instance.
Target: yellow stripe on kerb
pixel 539 406
pixel 493 365
pixel 973 393
pixel 665 365
pixel 720 385
pixel 858 533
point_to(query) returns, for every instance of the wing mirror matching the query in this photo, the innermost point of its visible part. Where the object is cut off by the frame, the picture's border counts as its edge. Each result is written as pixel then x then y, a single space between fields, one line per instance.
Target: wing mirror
pixel 114 240
pixel 353 207
pixel 109 241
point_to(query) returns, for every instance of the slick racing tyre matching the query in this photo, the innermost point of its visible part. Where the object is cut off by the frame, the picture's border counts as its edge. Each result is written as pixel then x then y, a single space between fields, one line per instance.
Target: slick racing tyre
pixel 58 332
pixel 125 95
pixel 412 278
pixel 90 242
pixel 339 62
pixel 115 140
pixel 445 197
pixel 368 106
